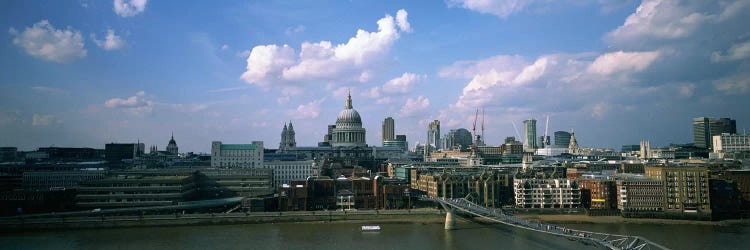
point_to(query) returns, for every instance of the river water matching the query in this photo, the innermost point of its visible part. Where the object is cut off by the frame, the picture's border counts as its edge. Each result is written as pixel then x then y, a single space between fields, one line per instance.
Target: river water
pixel 348 236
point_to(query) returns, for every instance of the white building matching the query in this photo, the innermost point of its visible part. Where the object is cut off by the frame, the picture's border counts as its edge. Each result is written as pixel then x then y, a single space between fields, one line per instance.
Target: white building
pixel 730 143
pixel 546 193
pixel 237 155
pixel 284 172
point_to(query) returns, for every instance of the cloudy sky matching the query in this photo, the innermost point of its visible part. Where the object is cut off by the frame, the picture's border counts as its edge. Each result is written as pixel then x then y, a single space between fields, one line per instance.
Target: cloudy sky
pixel 84 73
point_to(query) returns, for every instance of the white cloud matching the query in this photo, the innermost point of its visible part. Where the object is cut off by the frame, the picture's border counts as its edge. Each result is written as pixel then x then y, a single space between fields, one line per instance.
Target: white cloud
pixel 42 120
pixel 273 64
pixel 111 41
pixel 736 52
pixel 224 47
pixel 500 8
pixel 414 107
pixel 616 62
pixel 308 110
pixel 401 20
pixel 129 8
pixel 402 84
pixel 734 85
pixel 43 41
pixel 687 90
pixel 600 110
pixel 293 30
pixel 137 104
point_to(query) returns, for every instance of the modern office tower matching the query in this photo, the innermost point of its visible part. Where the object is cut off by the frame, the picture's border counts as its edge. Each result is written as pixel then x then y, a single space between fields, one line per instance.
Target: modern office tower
pixel 388 129
pixel 457 138
pixel 433 134
pixel 399 142
pixel 529 134
pixel 510 139
pixel 543 141
pixel 704 128
pixel 562 139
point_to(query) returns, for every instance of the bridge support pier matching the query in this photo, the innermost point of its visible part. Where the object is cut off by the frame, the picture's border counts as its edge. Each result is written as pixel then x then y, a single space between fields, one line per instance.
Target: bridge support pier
pixel 450 221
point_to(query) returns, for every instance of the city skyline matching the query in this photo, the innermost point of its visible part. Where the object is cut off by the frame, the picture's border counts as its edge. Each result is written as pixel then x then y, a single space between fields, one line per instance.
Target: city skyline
pixel 617 73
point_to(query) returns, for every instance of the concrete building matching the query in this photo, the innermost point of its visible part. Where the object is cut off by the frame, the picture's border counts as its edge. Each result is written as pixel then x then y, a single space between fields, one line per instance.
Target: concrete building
pixel 529 135
pixel 59 180
pixel 704 128
pixel 546 193
pixel 389 130
pixel 244 182
pixel 237 155
pixel 135 191
pixel 686 189
pixel 348 131
pixel 400 142
pixel 562 139
pixel 457 138
pixel 730 143
pixel 433 135
pixel 284 172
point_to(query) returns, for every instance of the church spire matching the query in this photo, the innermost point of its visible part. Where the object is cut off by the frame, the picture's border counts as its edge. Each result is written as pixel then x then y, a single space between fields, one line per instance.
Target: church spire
pixel 349 100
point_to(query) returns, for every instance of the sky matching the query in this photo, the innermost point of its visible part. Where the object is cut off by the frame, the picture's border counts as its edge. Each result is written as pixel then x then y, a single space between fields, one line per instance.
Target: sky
pixel 85 73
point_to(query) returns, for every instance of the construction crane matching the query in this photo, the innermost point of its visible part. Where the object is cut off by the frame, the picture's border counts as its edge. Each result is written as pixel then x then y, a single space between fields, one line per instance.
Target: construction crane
pixel 474 128
pixel 546 129
pixel 482 124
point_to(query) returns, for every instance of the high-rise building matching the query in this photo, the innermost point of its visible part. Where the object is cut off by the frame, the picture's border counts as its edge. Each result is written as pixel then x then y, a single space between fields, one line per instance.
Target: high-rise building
pixel 457 138
pixel 433 134
pixel 388 129
pixel 562 138
pixel 529 134
pixel 704 128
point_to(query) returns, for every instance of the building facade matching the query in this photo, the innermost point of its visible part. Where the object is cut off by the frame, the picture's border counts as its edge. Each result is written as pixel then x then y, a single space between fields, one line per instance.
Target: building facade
pixel 284 172
pixel 704 128
pixel 457 138
pixel 686 189
pixel 348 131
pixel 562 139
pixel 135 191
pixel 433 134
pixel 546 193
pixel 237 155
pixel 529 135
pixel 638 195
pixel 730 143
pixel 389 130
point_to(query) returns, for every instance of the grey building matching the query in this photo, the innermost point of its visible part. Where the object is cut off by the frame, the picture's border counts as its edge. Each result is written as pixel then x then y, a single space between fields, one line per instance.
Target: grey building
pixel 433 134
pixel 704 128
pixel 457 138
pixel 389 130
pixel 288 139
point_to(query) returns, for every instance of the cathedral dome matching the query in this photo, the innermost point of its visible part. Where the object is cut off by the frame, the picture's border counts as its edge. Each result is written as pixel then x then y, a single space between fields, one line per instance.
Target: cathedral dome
pixel 349 116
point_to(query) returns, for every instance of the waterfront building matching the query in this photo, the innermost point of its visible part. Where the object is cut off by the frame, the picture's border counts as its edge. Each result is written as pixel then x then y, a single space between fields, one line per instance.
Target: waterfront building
pixel 742 179
pixel 242 182
pixel 638 196
pixel 546 193
pixel 348 131
pixel 487 188
pixel 288 140
pixel 172 146
pixel 59 180
pixel 433 135
pixel 389 130
pixel 601 192
pixel 236 155
pixel 135 191
pixel 284 172
pixel 562 139
pixel 686 189
pixel 529 135
pixel 704 128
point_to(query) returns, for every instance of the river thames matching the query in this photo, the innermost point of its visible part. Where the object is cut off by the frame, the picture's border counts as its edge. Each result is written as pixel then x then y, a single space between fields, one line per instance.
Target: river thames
pixel 468 235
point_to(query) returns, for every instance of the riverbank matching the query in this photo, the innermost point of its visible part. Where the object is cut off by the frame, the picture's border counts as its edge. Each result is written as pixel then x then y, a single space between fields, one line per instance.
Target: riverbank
pixel 364 217
pixel 585 219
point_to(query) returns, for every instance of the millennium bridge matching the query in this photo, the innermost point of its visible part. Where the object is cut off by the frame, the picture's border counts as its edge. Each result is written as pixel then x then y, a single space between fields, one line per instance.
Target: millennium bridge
pixel 609 241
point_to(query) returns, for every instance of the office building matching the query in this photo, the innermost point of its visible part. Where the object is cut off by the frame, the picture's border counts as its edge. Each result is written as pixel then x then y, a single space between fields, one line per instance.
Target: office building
pixel 731 143
pixel 388 130
pixel 284 172
pixel 134 190
pixel 562 139
pixel 433 135
pixel 686 189
pixel 529 135
pixel 704 128
pixel 237 155
pixel 457 139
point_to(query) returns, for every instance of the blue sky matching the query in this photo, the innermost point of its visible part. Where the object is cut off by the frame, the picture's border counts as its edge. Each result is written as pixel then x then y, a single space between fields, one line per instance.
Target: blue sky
pixel 85 73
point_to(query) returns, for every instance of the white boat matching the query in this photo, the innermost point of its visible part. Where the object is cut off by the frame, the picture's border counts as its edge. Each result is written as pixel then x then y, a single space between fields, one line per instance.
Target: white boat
pixel 370 228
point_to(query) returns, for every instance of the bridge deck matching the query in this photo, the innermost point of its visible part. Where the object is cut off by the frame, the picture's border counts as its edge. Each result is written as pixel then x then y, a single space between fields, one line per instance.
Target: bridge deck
pixel 611 241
